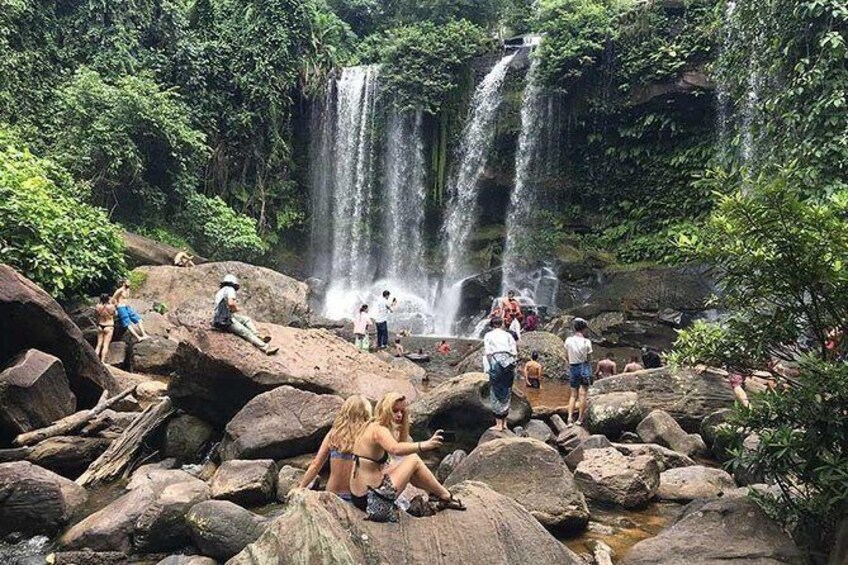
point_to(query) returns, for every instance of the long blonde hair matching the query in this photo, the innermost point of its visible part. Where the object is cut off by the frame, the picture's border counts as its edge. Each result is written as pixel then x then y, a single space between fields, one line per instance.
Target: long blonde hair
pixel 383 415
pixel 352 418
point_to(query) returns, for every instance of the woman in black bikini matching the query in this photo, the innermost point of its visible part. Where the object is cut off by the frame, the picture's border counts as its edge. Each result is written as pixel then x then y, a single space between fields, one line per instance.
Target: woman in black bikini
pixel 375 488
pixel 105 313
pixel 337 446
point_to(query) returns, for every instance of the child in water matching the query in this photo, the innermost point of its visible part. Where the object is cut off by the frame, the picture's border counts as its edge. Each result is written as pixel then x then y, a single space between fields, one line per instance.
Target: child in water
pixel 533 371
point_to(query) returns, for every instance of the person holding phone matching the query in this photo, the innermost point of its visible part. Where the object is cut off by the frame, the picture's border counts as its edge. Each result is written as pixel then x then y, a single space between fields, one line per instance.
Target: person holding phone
pixel 374 486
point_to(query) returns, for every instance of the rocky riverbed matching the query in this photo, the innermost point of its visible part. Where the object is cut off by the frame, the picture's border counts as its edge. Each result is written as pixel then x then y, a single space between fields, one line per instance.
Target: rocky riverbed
pixel 195 462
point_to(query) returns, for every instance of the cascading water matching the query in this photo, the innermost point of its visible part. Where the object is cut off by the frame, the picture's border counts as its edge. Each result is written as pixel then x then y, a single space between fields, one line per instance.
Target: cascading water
pixel 477 137
pixel 537 144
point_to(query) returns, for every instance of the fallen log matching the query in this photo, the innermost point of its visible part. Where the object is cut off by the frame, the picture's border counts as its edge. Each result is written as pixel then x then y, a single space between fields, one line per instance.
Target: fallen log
pixel 72 423
pixel 124 449
pixel 14 454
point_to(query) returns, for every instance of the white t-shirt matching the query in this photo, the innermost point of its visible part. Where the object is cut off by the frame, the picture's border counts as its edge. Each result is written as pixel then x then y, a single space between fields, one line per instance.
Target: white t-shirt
pixel 360 323
pixel 499 341
pixel 578 348
pixel 224 292
pixel 384 306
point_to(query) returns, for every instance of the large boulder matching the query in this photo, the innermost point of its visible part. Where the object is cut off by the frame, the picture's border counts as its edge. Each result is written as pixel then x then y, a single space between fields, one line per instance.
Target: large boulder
pixel 186 437
pixel 31 319
pixel 221 529
pixel 319 527
pixel 462 404
pixel 660 428
pixel 35 501
pixel 653 289
pixel 218 372
pixel 718 531
pixel 287 479
pixel 151 517
pixel 613 413
pixel 247 483
pixel 265 294
pixel 531 473
pixel 687 396
pixel 280 423
pixel 155 356
pixel 575 456
pixel 689 483
pixel 34 393
pixel 666 458
pixel 140 250
pixel 607 476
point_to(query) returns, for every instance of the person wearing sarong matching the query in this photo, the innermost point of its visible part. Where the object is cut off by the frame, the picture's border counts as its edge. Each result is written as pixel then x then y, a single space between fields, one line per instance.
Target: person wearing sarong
pixel 499 359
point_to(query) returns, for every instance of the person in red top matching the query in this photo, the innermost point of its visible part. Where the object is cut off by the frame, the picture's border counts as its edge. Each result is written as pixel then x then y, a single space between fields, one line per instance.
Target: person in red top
pixel 444 348
pixel 531 322
pixel 511 309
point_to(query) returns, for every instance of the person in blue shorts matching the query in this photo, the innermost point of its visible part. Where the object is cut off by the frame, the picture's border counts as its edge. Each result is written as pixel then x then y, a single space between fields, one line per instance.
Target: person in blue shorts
pixel 126 314
pixel 579 350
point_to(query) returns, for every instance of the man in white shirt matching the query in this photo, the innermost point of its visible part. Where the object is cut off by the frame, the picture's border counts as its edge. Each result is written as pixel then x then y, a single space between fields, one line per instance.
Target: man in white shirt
pixel 579 350
pixel 381 319
pixel 227 319
pixel 500 356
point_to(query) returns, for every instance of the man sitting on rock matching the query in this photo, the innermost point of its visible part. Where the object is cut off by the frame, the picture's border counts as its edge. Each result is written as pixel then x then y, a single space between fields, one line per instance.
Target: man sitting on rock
pixel 226 317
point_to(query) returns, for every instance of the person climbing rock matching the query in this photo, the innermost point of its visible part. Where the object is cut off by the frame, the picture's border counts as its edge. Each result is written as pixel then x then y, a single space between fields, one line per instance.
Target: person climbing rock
pixel 127 315
pixel 227 318
pixel 105 313
pixel 579 350
pixel 183 259
pixel 500 356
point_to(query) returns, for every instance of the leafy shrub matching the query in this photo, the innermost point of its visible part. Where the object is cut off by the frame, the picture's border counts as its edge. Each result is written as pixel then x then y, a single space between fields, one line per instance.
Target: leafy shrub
pixel 421 63
pixel 803 451
pixel 218 231
pixel 47 233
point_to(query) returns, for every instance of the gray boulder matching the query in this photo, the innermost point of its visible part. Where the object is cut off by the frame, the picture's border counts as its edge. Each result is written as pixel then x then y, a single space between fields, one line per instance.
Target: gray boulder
pixel 607 476
pixel 280 423
pixel 531 473
pixel 462 404
pixel 154 356
pixel 34 393
pixel 35 501
pixel 186 437
pixel 613 413
pixel 490 435
pixel 287 479
pixel 666 458
pixel 187 560
pixel 717 531
pixel 539 430
pixel 162 525
pixel 570 439
pixel 596 441
pixel 221 529
pixel 660 428
pixel 449 463
pixel 689 483
pixel 247 483
pixel 684 394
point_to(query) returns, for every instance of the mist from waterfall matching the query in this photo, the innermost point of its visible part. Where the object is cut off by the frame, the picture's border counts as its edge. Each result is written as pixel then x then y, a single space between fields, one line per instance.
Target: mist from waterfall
pixel 474 149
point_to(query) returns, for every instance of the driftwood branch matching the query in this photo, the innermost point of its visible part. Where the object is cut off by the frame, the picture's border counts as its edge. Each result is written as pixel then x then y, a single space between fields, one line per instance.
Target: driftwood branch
pixel 124 449
pixel 70 424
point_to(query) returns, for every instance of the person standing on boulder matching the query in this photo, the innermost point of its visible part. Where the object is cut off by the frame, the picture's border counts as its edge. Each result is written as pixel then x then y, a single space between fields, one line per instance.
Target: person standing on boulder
pixel 127 316
pixel 579 350
pixel 360 329
pixel 384 308
pixel 500 356
pixel 226 317
pixel 105 312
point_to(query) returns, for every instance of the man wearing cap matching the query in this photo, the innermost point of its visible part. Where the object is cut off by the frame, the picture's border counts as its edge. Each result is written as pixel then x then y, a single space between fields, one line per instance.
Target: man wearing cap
pixel 579 350
pixel 226 317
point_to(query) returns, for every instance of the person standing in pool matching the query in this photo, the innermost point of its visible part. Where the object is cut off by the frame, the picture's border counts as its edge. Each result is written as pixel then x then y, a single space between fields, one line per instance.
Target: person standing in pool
pixel 579 351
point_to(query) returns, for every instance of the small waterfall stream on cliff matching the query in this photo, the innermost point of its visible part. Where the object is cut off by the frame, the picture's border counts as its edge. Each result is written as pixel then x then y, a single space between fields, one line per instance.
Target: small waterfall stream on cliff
pixel 477 137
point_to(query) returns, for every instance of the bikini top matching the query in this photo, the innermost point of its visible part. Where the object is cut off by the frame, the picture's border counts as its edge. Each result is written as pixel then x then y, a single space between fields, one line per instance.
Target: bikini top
pixel 381 461
pixel 336 454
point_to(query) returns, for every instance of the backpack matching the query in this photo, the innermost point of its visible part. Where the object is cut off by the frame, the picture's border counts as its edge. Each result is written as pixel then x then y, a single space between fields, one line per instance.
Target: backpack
pixel 223 318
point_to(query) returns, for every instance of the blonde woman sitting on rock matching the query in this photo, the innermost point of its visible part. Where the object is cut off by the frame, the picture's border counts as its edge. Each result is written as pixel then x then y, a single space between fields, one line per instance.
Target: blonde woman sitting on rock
pixel 374 487
pixel 337 446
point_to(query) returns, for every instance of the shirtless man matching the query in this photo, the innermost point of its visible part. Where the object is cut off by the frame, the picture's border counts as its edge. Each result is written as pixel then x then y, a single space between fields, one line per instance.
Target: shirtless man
pixel 633 366
pixel 606 367
pixel 183 259
pixel 127 316
pixel 105 313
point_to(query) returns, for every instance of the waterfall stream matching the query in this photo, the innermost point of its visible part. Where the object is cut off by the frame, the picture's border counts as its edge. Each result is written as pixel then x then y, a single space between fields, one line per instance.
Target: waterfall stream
pixel 461 218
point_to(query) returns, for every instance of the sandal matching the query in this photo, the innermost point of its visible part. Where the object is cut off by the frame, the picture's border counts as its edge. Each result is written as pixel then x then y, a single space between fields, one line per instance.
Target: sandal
pixel 452 503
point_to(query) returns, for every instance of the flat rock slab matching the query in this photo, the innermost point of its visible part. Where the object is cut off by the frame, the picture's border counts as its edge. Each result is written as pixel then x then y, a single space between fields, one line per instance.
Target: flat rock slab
pixel 218 372
pixel 666 458
pixel 246 483
pixel 533 474
pixel 689 483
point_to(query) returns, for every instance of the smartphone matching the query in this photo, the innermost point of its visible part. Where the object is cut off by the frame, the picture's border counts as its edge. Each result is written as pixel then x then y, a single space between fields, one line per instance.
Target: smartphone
pixel 449 436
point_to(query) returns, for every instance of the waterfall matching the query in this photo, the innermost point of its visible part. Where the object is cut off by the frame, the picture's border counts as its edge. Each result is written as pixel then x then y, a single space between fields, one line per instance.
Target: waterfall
pixel 321 123
pixel 477 137
pixel 405 200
